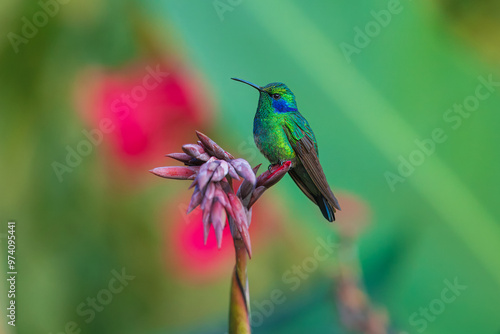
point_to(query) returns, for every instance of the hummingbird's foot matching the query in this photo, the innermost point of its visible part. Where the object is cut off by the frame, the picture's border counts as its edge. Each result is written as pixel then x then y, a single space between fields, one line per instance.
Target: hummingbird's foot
pixel 273 167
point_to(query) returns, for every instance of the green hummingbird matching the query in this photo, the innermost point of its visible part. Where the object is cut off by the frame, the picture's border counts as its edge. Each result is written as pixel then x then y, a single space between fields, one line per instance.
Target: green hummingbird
pixel 281 133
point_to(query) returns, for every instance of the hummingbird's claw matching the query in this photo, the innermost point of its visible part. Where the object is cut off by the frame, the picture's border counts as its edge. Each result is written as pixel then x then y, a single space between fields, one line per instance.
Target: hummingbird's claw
pixel 272 167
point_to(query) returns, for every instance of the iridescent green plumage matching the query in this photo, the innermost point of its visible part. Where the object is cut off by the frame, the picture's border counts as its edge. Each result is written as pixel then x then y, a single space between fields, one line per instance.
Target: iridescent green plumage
pixel 281 133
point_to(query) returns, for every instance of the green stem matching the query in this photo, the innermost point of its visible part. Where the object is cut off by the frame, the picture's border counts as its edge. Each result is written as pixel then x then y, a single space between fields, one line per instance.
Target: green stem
pixel 239 322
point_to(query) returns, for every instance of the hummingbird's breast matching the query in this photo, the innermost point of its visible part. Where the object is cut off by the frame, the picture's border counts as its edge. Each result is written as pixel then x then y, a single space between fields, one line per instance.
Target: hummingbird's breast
pixel 271 139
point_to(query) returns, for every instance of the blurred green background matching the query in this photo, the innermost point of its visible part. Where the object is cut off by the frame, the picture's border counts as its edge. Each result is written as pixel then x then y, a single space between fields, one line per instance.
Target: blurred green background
pixel 374 79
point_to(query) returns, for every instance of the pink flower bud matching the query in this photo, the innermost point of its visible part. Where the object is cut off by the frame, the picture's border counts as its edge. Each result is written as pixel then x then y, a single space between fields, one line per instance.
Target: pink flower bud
pixel 270 178
pixel 232 172
pixel 218 220
pixel 196 151
pixel 196 199
pixel 208 197
pixel 206 172
pixel 244 170
pixel 220 172
pixel 240 219
pixel 176 172
pixel 212 147
pixel 182 157
pixel 222 197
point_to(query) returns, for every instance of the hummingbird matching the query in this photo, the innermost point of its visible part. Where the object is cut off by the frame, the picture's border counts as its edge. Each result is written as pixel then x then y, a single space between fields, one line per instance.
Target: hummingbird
pixel 281 133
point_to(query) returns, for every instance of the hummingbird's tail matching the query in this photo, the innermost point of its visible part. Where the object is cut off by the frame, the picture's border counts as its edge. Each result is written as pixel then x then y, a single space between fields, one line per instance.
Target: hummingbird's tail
pixel 327 204
pixel 326 209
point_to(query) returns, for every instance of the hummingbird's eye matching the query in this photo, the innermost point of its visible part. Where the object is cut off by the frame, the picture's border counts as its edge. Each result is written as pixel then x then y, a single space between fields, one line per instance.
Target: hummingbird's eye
pixel 276 96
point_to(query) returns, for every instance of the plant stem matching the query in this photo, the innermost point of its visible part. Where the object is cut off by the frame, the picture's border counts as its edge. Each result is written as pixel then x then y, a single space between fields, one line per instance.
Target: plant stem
pixel 239 310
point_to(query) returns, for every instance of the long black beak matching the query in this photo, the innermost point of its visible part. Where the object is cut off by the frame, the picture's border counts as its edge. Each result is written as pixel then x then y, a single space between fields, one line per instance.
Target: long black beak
pixel 249 83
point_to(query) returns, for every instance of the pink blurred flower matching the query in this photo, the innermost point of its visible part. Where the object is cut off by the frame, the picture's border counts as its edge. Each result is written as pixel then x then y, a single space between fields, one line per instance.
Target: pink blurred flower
pixel 187 254
pixel 150 104
pixel 356 218
pixel 188 258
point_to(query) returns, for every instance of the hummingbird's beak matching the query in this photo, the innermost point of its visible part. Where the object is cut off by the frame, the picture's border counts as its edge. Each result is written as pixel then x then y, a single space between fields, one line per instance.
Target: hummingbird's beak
pixel 249 83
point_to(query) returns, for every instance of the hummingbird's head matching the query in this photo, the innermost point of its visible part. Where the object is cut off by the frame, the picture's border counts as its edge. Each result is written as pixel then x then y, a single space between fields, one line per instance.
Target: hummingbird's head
pixel 276 96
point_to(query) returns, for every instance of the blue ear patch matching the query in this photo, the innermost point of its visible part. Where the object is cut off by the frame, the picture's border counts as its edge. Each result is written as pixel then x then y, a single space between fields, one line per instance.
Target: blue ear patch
pixel 281 106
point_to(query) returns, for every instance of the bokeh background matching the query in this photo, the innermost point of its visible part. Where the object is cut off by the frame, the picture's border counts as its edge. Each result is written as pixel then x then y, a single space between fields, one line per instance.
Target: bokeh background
pixel 82 217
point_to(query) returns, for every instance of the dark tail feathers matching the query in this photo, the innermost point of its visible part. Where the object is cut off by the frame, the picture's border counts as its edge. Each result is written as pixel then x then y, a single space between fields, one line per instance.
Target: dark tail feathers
pixel 326 209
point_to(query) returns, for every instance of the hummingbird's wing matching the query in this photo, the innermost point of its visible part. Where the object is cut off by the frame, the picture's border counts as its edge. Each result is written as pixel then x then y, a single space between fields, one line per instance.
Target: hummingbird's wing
pixel 309 176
